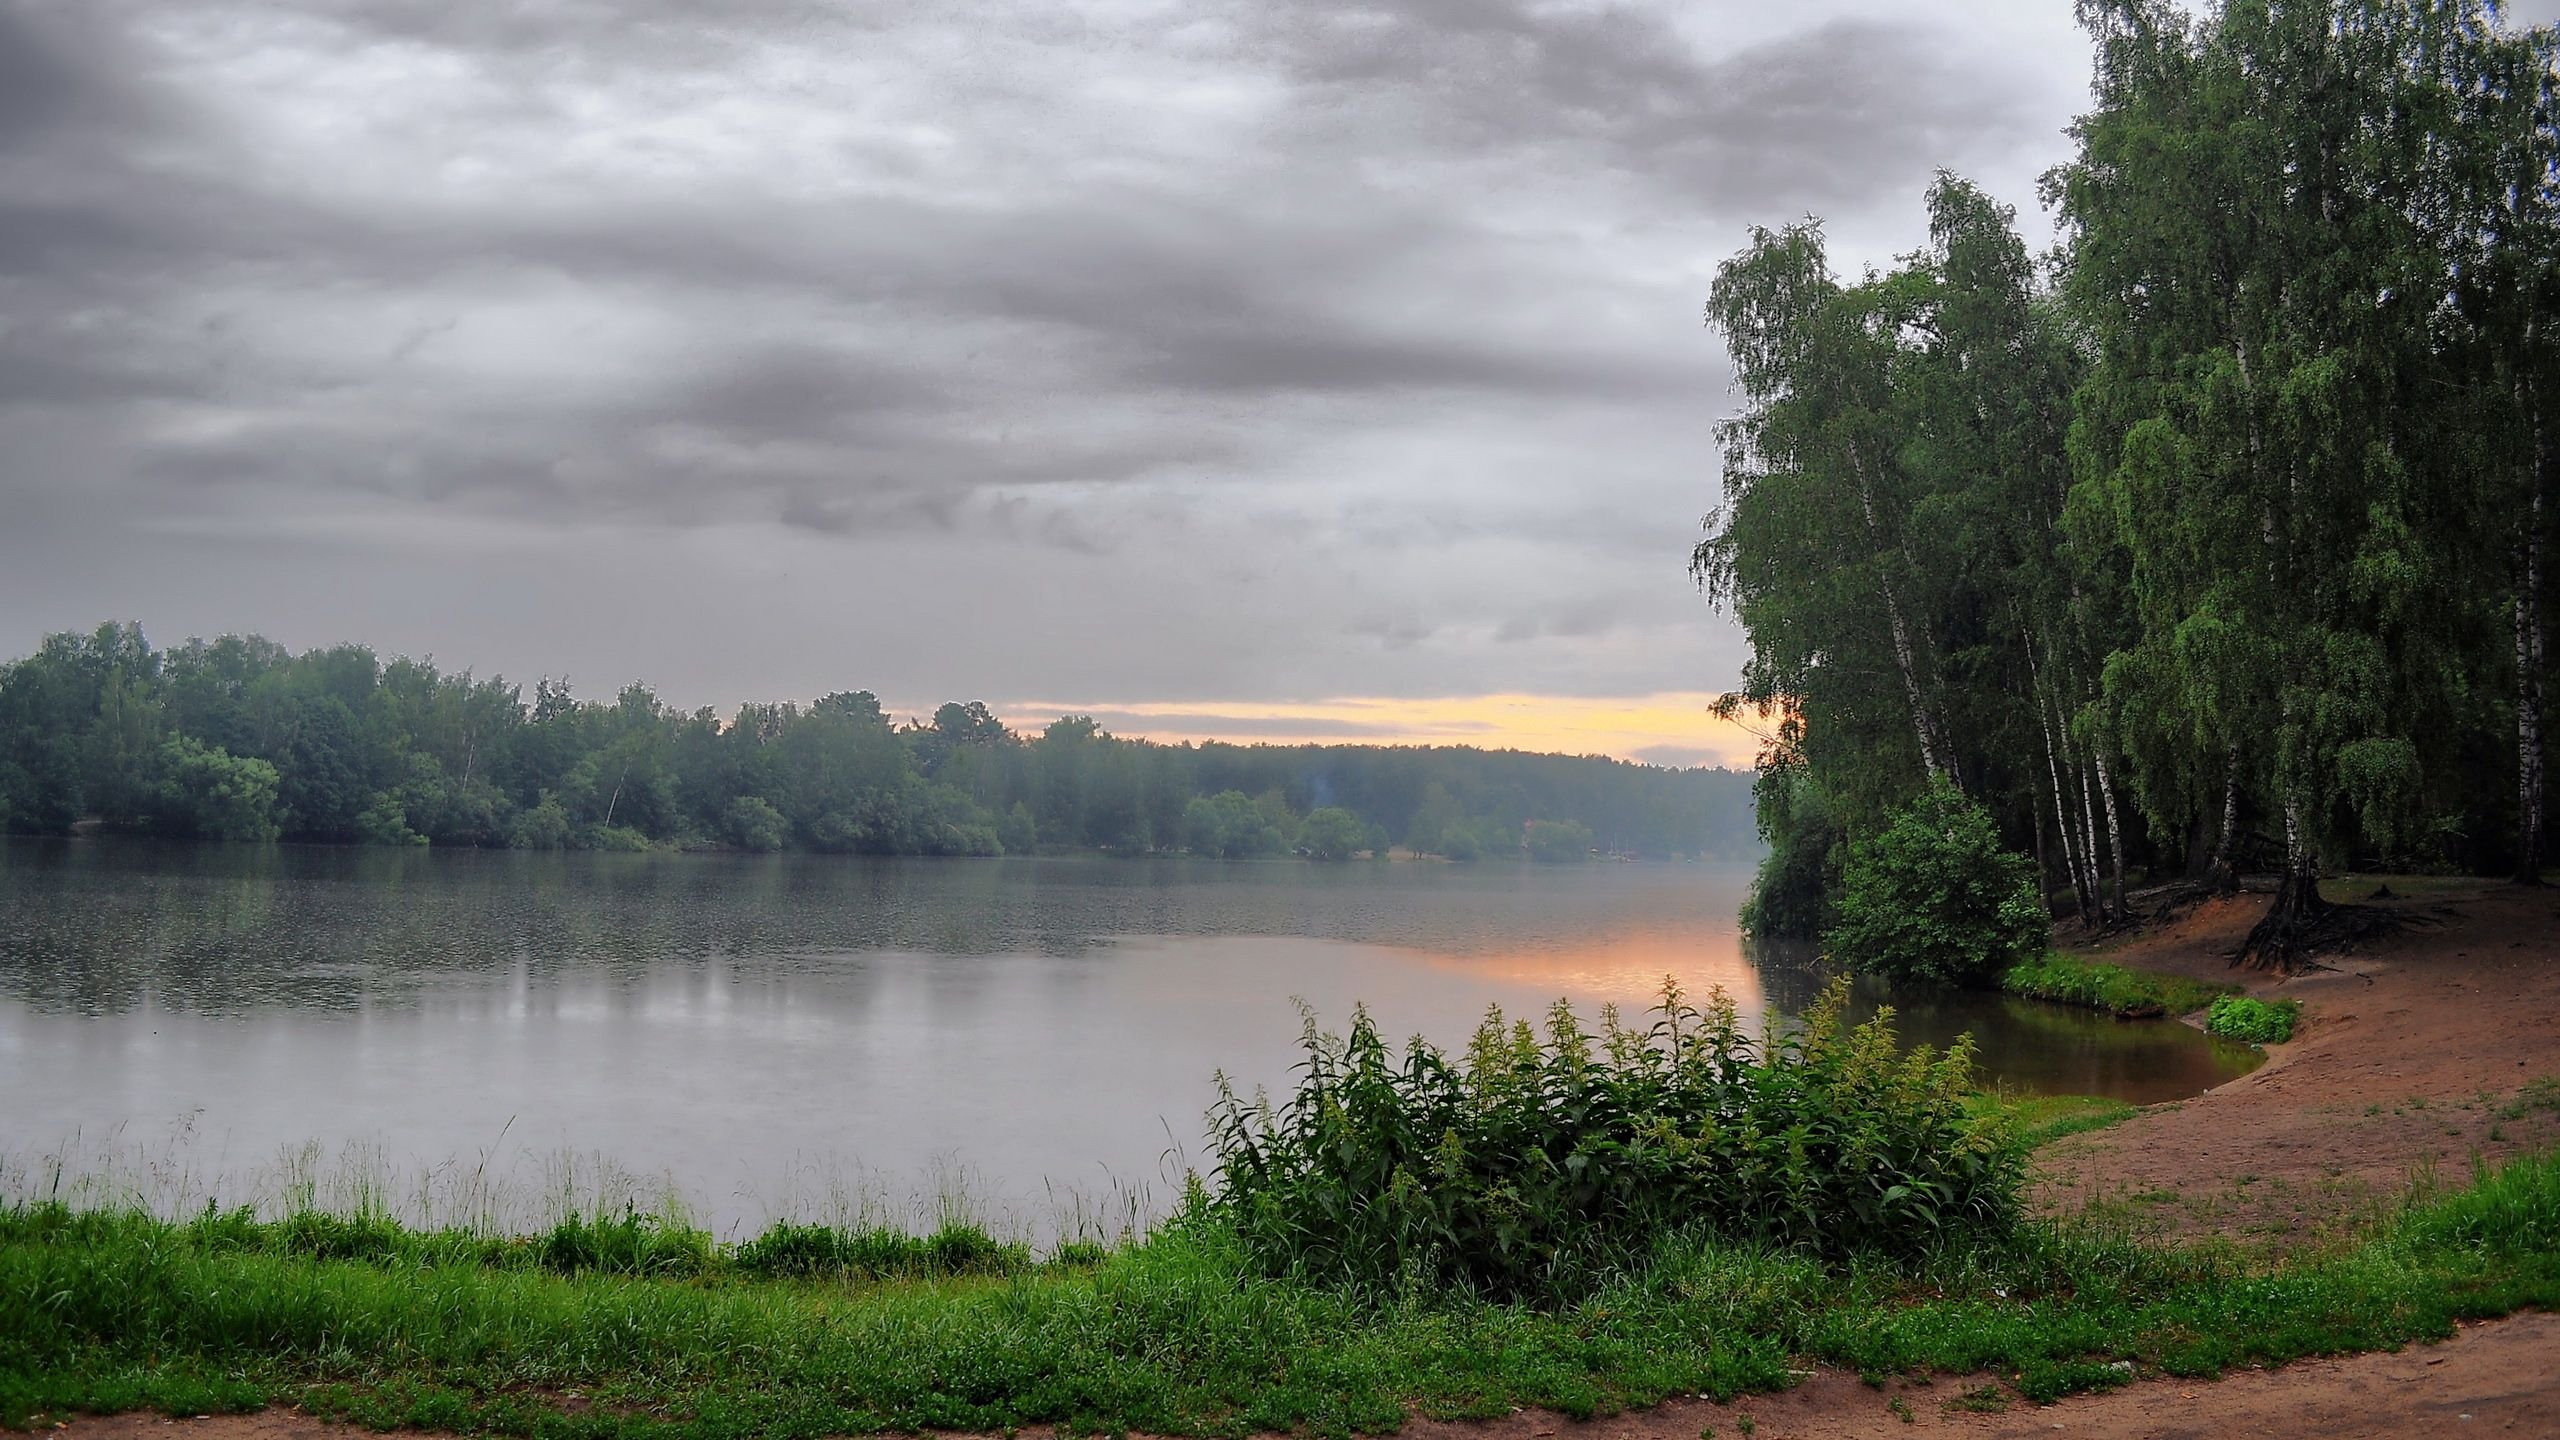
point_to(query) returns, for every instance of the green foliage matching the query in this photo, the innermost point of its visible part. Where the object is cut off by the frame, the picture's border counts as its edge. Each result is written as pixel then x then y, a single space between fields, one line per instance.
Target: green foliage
pixel 1332 833
pixel 811 1251
pixel 386 822
pixel 545 826
pixel 2241 1017
pixel 2035 1121
pixel 2112 988
pixel 753 824
pixel 1230 826
pixel 1558 842
pixel 392 752
pixel 630 1244
pixel 1537 1165
pixel 1791 894
pixel 214 796
pixel 1936 898
pixel 2216 542
pixel 1473 840
pixel 1179 1334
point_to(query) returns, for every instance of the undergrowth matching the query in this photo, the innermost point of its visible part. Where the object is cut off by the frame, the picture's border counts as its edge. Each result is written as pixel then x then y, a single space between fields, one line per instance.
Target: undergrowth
pixel 2098 985
pixel 1181 1333
pixel 2258 1022
pixel 1538 1164
pixel 2038 1120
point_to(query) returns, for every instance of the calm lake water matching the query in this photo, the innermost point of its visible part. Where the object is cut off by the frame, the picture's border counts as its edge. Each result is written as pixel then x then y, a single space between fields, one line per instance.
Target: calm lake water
pixel 773 1035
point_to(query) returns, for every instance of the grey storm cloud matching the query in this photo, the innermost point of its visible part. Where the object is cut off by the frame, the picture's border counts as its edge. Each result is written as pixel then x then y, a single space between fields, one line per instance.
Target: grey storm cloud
pixel 1304 313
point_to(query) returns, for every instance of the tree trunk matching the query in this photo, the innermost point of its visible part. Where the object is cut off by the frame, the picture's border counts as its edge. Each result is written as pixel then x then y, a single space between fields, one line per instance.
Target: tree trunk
pixel 2529 661
pixel 2225 874
pixel 1922 727
pixel 2082 894
pixel 2044 860
pixel 2115 836
pixel 2286 930
pixel 2089 848
pixel 2080 890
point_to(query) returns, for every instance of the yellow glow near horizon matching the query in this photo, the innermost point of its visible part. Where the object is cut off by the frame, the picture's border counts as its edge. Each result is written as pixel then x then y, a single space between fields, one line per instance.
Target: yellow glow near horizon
pixel 1670 727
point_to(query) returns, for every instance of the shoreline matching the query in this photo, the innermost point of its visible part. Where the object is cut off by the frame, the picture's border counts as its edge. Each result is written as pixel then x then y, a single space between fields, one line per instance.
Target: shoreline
pixel 2415 1053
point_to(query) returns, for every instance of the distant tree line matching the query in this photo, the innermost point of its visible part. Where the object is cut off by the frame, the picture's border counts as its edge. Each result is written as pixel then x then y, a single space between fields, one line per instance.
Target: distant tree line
pixel 238 739
pixel 2215 542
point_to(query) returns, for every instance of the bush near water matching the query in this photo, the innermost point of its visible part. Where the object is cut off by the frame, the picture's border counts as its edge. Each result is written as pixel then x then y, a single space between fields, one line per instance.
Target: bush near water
pixel 1538 1164
pixel 2259 1022
pixel 1935 897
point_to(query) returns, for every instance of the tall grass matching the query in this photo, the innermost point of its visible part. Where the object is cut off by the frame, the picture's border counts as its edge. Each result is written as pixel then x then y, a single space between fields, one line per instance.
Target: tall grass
pixel 1539 1164
pixel 1184 1333
pixel 2097 985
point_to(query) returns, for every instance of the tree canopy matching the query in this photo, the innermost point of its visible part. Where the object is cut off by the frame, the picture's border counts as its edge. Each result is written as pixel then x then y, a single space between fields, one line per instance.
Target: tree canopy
pixel 237 739
pixel 2212 540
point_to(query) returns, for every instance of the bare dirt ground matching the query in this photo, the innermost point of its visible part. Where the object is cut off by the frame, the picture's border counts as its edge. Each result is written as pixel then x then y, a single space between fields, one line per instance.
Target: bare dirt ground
pixel 2417 1052
pixel 2410 1060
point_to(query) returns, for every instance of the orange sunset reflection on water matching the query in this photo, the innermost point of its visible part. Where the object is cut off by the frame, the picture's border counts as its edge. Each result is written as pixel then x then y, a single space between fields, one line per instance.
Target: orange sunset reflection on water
pixel 1624 967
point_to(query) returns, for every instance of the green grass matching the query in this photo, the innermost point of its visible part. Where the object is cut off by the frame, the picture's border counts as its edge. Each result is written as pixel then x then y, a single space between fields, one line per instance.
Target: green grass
pixel 2355 889
pixel 1180 1333
pixel 2112 988
pixel 2039 1120
pixel 2259 1022
pixel 2542 1092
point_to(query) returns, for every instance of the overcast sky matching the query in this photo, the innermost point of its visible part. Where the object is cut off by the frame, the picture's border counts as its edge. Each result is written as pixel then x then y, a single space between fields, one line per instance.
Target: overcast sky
pixel 1224 367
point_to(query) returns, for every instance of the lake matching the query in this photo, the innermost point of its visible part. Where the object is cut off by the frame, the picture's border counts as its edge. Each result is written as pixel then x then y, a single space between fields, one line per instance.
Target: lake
pixel 474 1034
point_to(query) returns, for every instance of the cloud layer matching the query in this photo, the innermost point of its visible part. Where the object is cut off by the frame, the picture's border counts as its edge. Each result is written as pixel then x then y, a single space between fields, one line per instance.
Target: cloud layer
pixel 1168 353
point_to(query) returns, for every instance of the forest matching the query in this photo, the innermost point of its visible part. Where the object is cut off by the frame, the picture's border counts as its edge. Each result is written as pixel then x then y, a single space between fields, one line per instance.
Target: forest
pixel 238 739
pixel 2211 541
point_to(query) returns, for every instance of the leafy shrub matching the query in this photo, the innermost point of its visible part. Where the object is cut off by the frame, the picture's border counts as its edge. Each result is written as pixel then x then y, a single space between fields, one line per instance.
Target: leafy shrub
pixel 386 822
pixel 207 792
pixel 1936 898
pixel 544 827
pixel 754 824
pixel 1332 833
pixel 1473 840
pixel 1791 894
pixel 2256 1021
pixel 1533 1166
pixel 1230 826
pixel 1559 842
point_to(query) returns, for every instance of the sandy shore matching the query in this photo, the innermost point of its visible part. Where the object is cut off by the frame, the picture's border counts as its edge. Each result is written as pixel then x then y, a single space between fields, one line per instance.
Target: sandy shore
pixel 2409 1063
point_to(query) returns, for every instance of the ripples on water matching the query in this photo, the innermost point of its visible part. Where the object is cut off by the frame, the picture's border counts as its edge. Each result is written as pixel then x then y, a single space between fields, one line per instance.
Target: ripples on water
pixel 474 1032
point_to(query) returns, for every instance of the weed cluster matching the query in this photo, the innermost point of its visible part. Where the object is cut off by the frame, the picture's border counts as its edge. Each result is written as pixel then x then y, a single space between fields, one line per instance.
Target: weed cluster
pixel 633 1245
pixel 2112 988
pixel 1538 1165
pixel 880 1253
pixel 2258 1022
pixel 1177 1334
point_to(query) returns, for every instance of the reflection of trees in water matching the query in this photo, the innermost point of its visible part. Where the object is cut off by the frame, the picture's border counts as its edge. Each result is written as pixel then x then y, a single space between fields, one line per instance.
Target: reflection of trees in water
pixel 1791 971
pixel 2031 1044
pixel 106 925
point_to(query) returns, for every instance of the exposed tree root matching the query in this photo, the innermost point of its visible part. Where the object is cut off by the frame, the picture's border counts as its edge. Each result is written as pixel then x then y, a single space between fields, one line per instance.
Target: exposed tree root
pixel 2301 925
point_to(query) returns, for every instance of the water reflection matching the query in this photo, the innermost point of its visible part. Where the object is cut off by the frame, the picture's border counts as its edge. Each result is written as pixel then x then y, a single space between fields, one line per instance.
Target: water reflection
pixel 735 1022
